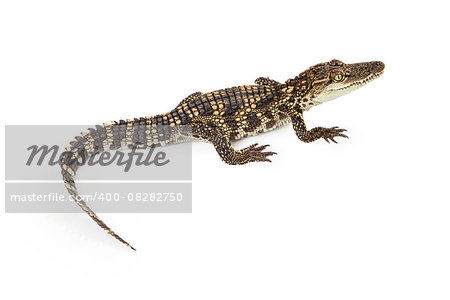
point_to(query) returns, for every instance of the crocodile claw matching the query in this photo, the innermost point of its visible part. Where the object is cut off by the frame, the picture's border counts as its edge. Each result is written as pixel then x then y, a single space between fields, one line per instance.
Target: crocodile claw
pixel 253 153
pixel 330 133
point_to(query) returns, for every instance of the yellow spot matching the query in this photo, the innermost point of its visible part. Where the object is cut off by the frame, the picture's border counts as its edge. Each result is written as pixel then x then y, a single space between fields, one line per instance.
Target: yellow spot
pixel 259 114
pixel 216 112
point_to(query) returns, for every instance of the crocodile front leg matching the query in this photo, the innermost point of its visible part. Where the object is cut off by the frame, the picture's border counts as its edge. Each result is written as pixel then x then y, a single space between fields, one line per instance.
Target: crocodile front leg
pixel 316 133
pixel 223 146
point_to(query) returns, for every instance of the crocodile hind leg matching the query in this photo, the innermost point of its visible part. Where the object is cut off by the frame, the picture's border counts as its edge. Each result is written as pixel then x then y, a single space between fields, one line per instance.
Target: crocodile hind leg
pixel 316 133
pixel 223 146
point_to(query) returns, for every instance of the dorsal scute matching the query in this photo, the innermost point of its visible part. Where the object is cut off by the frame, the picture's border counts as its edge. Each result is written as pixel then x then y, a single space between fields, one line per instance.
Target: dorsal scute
pixel 266 81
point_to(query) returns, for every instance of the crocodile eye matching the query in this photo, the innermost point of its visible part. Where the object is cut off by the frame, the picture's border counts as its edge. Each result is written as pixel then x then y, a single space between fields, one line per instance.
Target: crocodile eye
pixel 338 78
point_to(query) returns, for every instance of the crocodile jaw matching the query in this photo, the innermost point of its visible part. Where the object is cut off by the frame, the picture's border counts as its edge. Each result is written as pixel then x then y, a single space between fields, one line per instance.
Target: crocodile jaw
pixel 336 90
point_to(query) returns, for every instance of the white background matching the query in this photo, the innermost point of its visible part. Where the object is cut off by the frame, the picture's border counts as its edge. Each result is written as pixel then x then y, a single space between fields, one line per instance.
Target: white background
pixel 368 218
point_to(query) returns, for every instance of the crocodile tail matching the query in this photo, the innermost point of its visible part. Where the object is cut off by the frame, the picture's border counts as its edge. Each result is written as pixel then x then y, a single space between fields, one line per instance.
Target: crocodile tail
pixel 75 156
pixel 138 133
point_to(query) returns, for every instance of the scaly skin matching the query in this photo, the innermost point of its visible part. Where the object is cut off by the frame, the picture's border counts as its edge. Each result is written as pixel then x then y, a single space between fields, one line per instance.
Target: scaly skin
pixel 223 116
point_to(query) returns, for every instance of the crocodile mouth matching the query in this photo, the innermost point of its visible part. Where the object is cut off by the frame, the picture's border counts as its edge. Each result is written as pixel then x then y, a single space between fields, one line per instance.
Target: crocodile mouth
pixel 359 83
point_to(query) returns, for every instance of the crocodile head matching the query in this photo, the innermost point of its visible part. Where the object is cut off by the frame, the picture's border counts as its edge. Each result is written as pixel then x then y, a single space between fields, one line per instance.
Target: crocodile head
pixel 335 78
pixel 327 81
